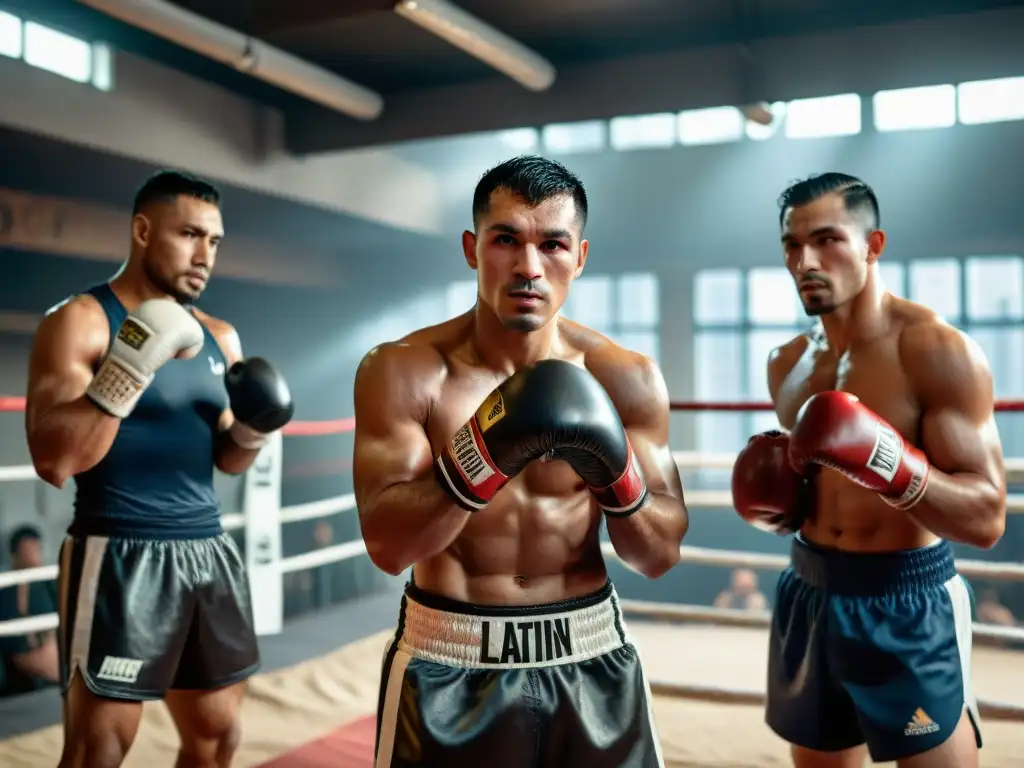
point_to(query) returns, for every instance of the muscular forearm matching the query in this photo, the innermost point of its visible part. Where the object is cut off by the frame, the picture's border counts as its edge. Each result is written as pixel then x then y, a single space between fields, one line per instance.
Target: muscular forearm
pixel 410 522
pixel 69 439
pixel 648 540
pixel 230 457
pixel 962 507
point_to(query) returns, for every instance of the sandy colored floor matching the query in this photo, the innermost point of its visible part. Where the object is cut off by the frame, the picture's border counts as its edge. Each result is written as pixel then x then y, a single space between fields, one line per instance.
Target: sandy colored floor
pixel 288 708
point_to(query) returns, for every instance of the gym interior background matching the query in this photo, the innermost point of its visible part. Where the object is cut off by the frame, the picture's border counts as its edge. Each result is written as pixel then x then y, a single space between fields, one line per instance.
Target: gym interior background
pixel 343 234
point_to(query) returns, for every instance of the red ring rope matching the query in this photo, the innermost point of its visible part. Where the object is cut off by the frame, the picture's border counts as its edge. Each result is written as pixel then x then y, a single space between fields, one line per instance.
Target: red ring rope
pixel 341 426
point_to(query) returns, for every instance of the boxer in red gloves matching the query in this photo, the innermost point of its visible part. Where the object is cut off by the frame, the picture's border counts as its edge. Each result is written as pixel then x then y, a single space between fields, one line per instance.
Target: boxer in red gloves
pixel 892 452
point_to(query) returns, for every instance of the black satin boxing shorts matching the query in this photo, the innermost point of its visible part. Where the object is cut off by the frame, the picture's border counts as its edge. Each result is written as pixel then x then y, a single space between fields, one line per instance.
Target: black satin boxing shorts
pixel 549 686
pixel 141 617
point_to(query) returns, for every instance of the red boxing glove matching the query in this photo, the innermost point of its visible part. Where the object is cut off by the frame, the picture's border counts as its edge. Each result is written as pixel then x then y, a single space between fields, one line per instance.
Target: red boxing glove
pixel 835 430
pixel 766 491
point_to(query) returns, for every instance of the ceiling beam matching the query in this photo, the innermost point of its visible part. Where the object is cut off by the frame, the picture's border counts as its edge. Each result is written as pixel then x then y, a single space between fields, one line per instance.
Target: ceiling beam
pixel 975 46
pixel 298 14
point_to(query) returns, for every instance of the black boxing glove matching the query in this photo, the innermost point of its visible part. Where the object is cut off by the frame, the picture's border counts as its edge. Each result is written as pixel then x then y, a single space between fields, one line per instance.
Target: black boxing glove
pixel 766 491
pixel 260 400
pixel 549 406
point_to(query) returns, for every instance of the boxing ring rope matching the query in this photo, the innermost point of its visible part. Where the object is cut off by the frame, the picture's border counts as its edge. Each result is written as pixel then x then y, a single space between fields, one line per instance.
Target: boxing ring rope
pixel 687 460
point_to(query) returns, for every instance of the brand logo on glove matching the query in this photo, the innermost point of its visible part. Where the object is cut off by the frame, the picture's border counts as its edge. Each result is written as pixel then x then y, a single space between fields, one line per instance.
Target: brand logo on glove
pixel 469 458
pixel 490 412
pixel 887 453
pixel 132 334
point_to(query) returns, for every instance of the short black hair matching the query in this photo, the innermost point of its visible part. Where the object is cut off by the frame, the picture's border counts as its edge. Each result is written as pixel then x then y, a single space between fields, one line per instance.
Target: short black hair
pixel 165 186
pixel 533 178
pixel 857 195
pixel 20 534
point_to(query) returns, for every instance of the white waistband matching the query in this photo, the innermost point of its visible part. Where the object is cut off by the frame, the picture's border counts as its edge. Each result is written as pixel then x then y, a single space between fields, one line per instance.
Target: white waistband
pixel 540 639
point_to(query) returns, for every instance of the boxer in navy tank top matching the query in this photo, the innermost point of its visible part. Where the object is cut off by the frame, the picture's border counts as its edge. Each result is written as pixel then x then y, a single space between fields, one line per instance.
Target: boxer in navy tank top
pixel 139 397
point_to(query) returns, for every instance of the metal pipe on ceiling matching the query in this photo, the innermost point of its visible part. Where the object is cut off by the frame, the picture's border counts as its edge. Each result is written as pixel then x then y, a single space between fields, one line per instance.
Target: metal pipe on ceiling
pixel 246 54
pixel 480 40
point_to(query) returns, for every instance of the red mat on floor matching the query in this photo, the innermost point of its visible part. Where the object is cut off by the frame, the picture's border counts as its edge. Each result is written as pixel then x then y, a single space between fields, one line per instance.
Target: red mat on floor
pixel 350 746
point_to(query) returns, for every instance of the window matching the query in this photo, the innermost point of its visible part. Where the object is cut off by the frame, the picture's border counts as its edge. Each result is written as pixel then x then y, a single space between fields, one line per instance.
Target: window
pixel 638 301
pixel 907 109
pixel 826 116
pixel 991 101
pixel 102 67
pixel 58 53
pixel 759 132
pixel 710 126
pixel 730 364
pixel 639 314
pixel 894 276
pixel 717 298
pixel 771 297
pixel 718 365
pixel 995 288
pixel 10 36
pixel 520 139
pixel 590 303
pixel 460 297
pixel 642 132
pixel 936 284
pixel 566 138
pixel 624 307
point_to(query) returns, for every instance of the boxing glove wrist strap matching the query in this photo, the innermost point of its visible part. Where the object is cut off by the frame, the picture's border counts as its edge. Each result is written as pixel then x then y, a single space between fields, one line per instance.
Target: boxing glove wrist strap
pixel 246 437
pixel 466 470
pixel 912 495
pixel 626 495
pixel 117 387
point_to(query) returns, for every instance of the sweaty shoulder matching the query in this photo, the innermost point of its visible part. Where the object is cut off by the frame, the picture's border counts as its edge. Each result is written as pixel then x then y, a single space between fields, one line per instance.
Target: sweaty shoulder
pixel 784 358
pixel 633 381
pixel 940 359
pixel 225 334
pixel 405 377
pixel 79 322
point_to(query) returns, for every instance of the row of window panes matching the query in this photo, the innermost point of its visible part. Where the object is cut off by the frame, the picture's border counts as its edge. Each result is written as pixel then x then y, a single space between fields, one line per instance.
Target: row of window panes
pixel 56 52
pixel 935 106
pixel 995 291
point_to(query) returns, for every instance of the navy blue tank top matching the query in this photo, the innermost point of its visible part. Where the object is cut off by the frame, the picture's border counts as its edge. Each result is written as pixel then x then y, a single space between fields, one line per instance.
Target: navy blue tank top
pixel 156 482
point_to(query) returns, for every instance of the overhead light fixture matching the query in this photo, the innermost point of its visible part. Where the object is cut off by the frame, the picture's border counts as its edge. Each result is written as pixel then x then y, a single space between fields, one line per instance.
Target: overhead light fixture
pixel 248 55
pixel 480 40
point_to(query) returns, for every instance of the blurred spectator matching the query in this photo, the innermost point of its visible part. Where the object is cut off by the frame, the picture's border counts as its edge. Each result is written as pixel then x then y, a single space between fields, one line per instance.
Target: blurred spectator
pixel 743 592
pixel 990 609
pixel 30 661
pixel 311 589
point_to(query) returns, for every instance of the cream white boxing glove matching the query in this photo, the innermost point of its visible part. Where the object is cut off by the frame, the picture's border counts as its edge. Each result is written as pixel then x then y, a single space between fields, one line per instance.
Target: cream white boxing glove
pixel 150 336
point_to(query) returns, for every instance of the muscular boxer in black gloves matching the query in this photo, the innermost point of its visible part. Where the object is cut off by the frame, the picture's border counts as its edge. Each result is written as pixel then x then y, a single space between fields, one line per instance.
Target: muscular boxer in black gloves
pixel 489 451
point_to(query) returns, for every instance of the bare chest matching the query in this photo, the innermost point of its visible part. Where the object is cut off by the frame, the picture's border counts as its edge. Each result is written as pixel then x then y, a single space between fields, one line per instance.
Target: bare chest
pixel 873 373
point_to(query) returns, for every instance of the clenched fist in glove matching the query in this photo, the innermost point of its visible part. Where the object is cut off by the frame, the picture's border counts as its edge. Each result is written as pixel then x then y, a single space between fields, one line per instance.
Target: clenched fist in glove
pixel 766 491
pixel 836 430
pixel 548 406
pixel 160 329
